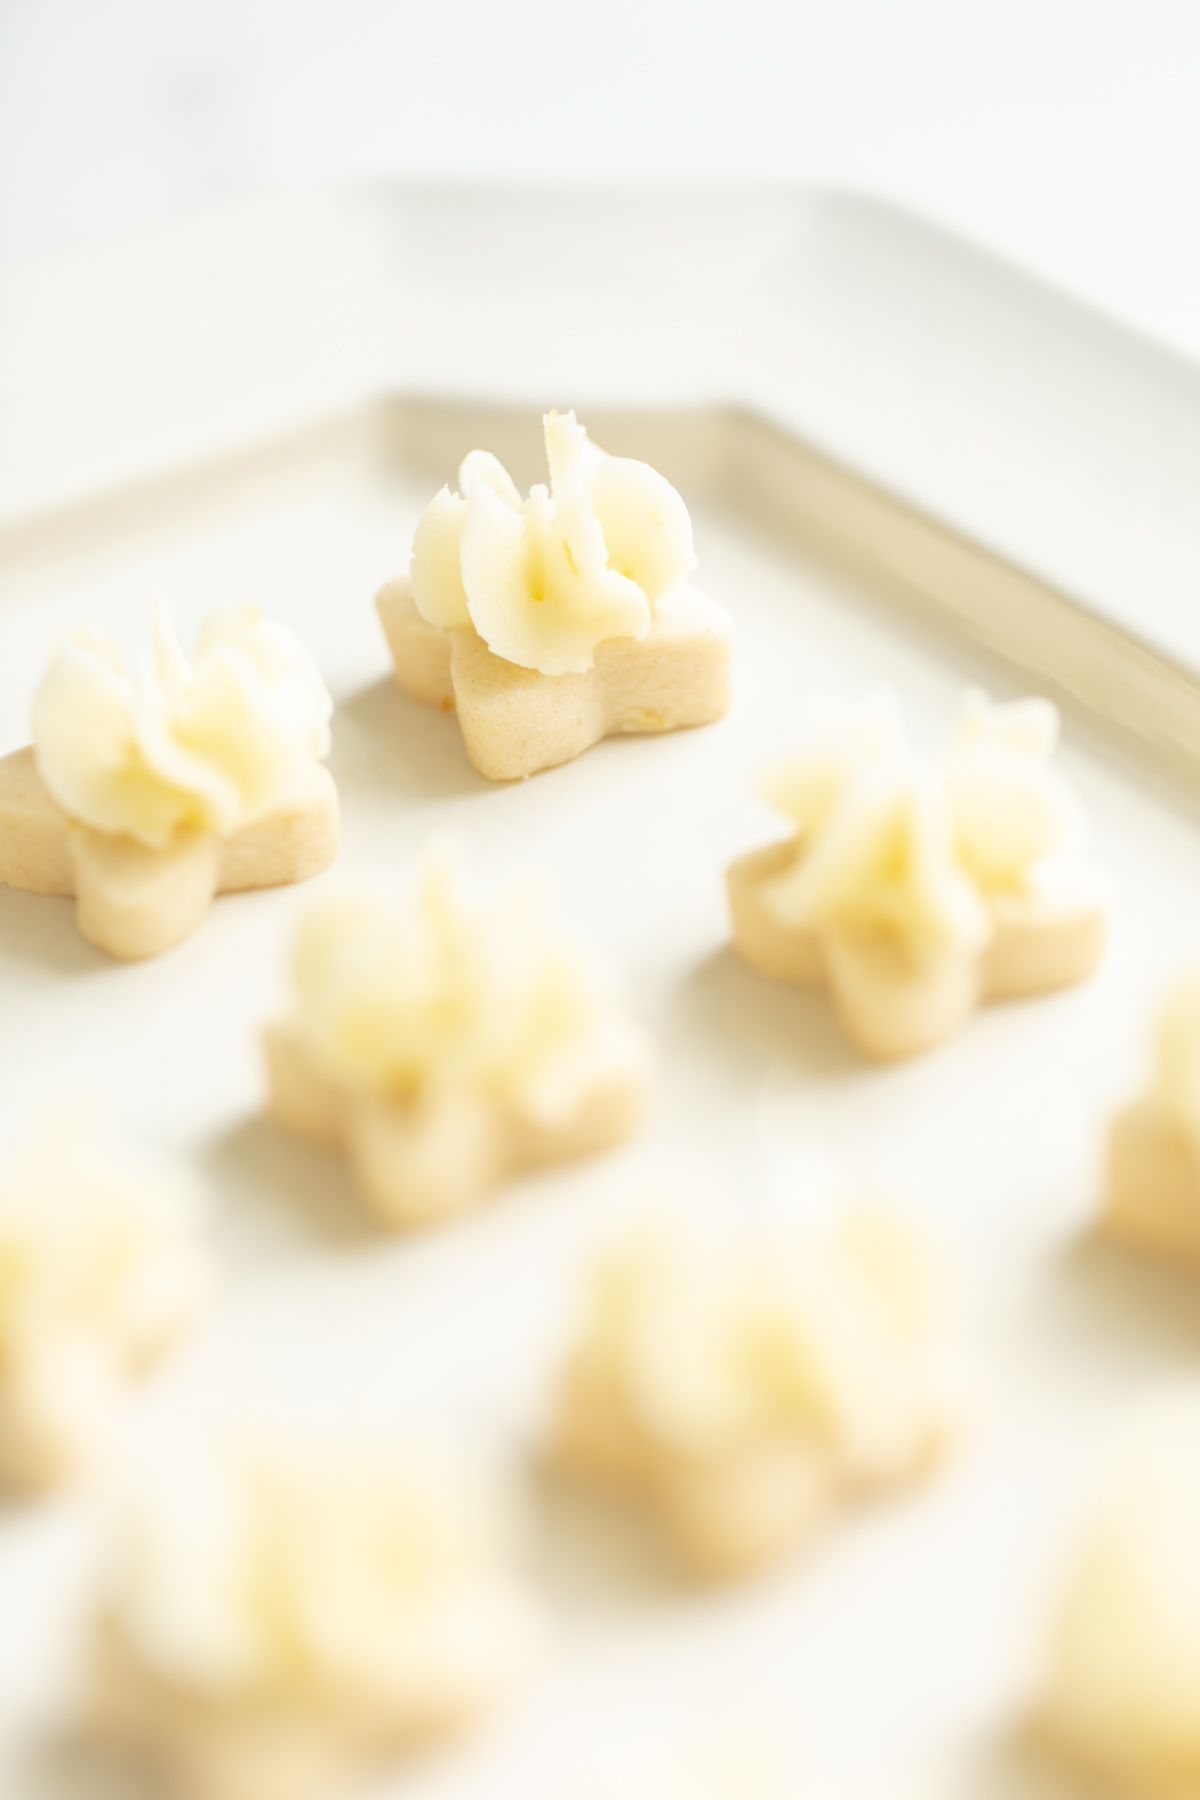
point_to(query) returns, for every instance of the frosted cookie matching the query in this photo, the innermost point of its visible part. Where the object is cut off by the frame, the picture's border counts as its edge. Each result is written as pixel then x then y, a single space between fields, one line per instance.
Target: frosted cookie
pixel 1121 1695
pixel 279 1620
pixel 151 786
pixel 553 621
pixel 915 888
pixel 738 1389
pixel 100 1270
pixel 1153 1192
pixel 449 1042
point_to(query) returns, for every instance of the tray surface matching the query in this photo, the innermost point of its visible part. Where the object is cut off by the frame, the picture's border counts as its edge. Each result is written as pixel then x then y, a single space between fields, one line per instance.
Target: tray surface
pixel 901 1645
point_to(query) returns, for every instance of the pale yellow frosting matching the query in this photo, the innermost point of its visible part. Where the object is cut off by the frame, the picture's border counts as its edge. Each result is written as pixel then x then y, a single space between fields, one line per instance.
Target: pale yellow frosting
pixel 1011 811
pixel 458 989
pixel 1123 1689
pixel 99 1255
pixel 330 1571
pixel 162 744
pixel 710 1348
pixel 914 847
pixel 544 580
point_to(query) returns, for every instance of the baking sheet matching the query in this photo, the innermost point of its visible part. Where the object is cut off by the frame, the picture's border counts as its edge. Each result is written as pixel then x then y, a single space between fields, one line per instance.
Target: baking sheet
pixel 897 1650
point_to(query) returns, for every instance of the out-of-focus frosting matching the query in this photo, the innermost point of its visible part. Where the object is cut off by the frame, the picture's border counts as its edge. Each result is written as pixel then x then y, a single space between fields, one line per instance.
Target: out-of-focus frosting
pixel 832 1338
pixel 1123 1687
pixel 161 744
pixel 914 848
pixel 1175 1089
pixel 457 990
pixel 546 579
pixel 325 1571
pixel 97 1254
pixel 1011 810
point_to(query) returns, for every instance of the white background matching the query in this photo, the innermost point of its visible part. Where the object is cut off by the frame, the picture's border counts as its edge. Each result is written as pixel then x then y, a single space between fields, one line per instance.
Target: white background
pixel 1064 131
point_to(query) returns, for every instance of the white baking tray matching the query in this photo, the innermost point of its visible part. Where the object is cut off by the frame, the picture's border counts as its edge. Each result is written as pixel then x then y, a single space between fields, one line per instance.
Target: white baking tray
pixel 908 468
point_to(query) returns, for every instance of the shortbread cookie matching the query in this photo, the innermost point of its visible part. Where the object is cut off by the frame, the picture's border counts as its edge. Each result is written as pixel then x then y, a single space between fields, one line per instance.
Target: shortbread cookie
pixel 150 788
pixel 1153 1194
pixel 1121 1695
pixel 100 1270
pixel 916 889
pixel 736 1390
pixel 281 1619
pixel 551 622
pixel 450 1042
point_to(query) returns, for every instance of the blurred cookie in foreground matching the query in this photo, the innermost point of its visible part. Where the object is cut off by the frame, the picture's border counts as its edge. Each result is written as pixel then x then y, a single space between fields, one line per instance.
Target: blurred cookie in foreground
pixel 449 1041
pixel 101 1269
pixel 738 1389
pixel 281 1618
pixel 1152 1201
pixel 1121 1694
pixel 914 888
